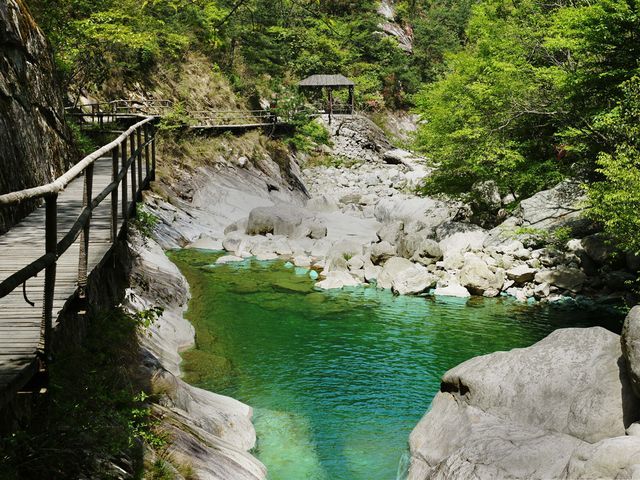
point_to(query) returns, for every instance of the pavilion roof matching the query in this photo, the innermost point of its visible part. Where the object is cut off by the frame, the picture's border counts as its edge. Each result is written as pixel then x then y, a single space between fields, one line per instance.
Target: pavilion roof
pixel 326 81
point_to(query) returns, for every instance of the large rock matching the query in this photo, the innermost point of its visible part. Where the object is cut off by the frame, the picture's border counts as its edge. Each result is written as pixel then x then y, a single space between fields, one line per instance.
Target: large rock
pixel 452 290
pixel 381 252
pixel 396 156
pixel 339 255
pixel 457 237
pixel 465 442
pixel 285 220
pixel 420 248
pixel 523 413
pixel 560 206
pixel 358 138
pixel 630 341
pixel 617 457
pixel 413 281
pixel 399 208
pixel 391 232
pixel 521 274
pixel 477 277
pixel 597 248
pixel 322 203
pixel 337 279
pixel 566 278
pixel 405 277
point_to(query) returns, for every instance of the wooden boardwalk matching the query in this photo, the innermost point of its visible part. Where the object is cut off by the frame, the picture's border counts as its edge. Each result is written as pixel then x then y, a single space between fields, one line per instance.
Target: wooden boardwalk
pixel 20 323
pixel 46 258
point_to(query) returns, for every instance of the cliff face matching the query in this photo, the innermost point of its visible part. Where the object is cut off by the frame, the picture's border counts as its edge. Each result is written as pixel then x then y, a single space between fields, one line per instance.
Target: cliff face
pixel 35 144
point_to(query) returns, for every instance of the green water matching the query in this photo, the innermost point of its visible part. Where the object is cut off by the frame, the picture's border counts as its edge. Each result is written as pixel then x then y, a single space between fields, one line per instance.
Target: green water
pixel 339 379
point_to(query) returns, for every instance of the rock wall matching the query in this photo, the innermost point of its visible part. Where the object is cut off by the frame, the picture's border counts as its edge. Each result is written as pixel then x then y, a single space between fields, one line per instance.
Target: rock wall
pixel 210 433
pixel 35 144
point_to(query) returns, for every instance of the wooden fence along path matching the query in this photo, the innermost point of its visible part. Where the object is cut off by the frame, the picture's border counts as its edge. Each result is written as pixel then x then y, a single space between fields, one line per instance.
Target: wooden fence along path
pixel 46 258
pixel 99 114
pixel 108 112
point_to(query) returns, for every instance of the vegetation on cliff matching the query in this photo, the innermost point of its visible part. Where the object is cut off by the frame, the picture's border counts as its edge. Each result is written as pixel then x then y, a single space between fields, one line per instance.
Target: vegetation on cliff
pixel 260 45
pixel 521 93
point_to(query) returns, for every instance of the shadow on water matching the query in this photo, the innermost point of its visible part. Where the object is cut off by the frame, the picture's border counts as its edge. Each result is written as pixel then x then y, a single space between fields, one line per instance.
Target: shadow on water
pixel 338 379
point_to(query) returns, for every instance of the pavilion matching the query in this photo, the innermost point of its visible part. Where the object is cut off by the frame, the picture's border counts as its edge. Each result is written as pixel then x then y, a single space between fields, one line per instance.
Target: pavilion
pixel 330 83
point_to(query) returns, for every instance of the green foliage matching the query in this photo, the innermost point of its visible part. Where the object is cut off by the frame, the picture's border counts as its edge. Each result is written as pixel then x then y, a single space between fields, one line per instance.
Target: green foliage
pixel 145 318
pixel 522 103
pixel 536 237
pixel 615 198
pixel 84 142
pixel 560 236
pixel 96 410
pixel 257 43
pixel 439 29
pixel 145 221
pixel 174 120
pixel 309 135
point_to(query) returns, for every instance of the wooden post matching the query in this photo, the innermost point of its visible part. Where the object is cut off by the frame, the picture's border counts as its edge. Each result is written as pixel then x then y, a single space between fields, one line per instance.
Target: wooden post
pixel 134 186
pixel 330 103
pixel 153 152
pixel 351 99
pixel 125 201
pixel 51 244
pixel 139 142
pixel 147 158
pixel 83 258
pixel 114 195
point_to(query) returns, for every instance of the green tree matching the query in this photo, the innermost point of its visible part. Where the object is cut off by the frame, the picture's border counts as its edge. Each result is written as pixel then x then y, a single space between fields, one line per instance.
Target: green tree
pixel 615 198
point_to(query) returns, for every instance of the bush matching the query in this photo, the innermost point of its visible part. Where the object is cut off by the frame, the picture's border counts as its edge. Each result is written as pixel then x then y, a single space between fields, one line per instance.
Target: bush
pixel 95 414
pixel 309 135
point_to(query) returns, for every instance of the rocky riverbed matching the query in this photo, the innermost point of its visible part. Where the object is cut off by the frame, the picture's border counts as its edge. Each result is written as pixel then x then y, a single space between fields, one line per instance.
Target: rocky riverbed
pixel 364 223
pixel 554 409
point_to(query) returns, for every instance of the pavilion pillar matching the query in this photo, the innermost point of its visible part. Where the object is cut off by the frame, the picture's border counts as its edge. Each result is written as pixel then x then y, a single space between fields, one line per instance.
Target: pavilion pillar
pixel 330 92
pixel 351 99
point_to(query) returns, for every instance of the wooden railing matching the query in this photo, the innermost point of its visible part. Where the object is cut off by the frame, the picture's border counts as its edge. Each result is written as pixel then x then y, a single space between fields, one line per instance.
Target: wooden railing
pixel 132 153
pixel 100 113
pixel 109 112
pixel 221 118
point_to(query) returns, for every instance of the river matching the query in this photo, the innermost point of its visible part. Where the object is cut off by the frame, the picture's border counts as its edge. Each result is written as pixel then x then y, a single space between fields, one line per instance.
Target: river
pixel 338 379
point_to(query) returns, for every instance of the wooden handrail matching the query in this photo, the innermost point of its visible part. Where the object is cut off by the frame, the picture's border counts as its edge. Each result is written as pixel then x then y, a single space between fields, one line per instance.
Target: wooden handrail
pixel 60 183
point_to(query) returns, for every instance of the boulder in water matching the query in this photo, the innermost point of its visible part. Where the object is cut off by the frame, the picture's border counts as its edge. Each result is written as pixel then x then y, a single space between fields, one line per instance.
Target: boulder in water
pixel 523 413
pixel 337 279
pixel 285 220
pixel 566 278
pixel 477 277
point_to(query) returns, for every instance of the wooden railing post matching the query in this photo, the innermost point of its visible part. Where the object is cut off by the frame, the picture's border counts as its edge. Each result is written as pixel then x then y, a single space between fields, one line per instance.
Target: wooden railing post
pixel 114 195
pixel 51 243
pixel 83 259
pixel 134 186
pixel 139 142
pixel 147 158
pixel 125 201
pixel 153 152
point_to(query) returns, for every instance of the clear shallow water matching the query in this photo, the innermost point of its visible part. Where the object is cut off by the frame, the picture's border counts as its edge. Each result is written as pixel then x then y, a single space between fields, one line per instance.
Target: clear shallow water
pixel 339 379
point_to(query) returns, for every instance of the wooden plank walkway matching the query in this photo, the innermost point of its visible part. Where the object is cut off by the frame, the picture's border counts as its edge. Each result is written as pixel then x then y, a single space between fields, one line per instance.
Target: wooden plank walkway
pixel 24 243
